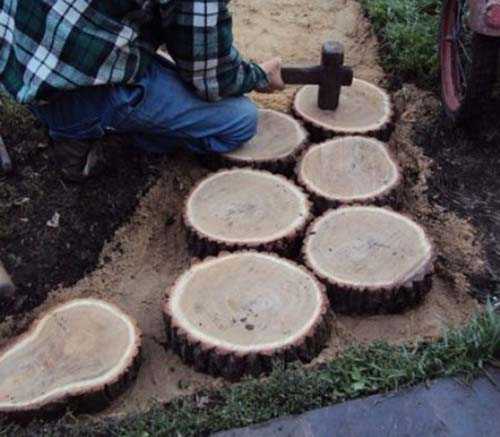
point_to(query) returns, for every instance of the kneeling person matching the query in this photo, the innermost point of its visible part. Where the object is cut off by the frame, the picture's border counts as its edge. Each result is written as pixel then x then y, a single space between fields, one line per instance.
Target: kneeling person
pixel 89 67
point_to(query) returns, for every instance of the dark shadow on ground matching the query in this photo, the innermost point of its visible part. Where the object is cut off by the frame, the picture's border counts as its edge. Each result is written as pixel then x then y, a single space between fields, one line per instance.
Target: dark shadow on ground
pixel 40 257
pixel 466 180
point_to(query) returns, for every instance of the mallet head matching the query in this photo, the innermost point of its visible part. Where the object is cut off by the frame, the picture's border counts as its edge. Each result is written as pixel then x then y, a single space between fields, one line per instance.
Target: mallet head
pixel 334 75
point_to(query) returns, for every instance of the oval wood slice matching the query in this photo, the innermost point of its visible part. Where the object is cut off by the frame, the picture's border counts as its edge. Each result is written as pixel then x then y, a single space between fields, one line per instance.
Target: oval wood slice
pixel 279 141
pixel 246 208
pixel 237 313
pixel 81 354
pixel 364 109
pixel 349 170
pixel 373 260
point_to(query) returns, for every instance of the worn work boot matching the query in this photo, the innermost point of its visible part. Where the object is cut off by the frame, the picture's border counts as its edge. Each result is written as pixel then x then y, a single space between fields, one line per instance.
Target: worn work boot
pixel 79 160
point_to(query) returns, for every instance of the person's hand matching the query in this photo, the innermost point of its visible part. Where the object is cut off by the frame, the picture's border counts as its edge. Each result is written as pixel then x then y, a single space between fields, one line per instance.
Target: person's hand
pixel 273 70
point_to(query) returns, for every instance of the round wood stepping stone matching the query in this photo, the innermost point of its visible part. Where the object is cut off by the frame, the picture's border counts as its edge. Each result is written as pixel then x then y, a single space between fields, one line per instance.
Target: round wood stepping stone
pixel 349 170
pixel 80 354
pixel 279 141
pixel 364 109
pixel 246 208
pixel 235 314
pixel 371 259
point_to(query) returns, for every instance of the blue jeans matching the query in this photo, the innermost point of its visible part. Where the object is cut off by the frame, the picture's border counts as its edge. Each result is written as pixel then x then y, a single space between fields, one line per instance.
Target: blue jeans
pixel 159 112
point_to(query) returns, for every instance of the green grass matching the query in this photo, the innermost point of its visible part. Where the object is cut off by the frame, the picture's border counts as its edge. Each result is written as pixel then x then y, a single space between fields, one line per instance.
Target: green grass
pixel 361 371
pixel 408 30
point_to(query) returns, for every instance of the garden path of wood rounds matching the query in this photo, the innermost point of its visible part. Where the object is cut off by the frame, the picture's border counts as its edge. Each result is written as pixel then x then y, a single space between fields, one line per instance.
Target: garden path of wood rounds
pixel 148 254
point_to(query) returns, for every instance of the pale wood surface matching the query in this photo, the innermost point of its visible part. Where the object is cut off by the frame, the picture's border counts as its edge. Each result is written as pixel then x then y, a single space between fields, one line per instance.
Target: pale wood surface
pixel 75 348
pixel 363 108
pixel 368 247
pixel 246 206
pixel 349 169
pixel 278 136
pixel 246 302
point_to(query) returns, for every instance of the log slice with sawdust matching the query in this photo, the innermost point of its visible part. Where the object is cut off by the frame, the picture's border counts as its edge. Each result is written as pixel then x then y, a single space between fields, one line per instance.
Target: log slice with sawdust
pixel 240 312
pixel 280 139
pixel 350 170
pixel 81 354
pixel 364 109
pixel 372 259
pixel 245 208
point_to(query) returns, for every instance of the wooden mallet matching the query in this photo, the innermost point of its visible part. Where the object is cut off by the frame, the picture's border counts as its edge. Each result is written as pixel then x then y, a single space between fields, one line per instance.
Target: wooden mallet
pixel 331 75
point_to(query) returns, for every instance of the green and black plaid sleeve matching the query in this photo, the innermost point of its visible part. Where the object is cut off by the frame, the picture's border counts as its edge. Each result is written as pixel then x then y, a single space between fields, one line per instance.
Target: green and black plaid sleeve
pixel 199 37
pixel 52 45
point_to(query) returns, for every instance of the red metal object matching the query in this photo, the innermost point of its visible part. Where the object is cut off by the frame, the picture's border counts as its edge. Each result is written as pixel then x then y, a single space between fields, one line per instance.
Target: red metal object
pixel 468 50
pixel 493 16
pixel 450 81
pixel 484 16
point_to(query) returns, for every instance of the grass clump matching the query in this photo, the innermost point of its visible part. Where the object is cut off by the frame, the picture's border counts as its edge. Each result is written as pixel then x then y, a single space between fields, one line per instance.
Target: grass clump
pixel 408 30
pixel 360 371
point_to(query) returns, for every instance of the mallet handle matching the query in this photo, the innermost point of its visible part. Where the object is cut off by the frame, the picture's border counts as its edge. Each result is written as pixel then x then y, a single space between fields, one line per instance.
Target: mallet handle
pixel 331 75
pixel 302 75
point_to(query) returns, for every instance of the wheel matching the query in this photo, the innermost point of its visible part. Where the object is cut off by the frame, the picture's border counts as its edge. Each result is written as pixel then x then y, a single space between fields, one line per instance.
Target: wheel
pixel 468 62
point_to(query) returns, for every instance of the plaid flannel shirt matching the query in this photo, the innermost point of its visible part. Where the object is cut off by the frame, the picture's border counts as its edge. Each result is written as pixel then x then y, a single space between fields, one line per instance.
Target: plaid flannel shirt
pixel 51 45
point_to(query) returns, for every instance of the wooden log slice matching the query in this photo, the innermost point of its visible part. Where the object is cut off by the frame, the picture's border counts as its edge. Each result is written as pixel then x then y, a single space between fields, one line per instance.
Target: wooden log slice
pixel 373 260
pixel 237 313
pixel 349 170
pixel 279 141
pixel 81 354
pixel 246 208
pixel 364 109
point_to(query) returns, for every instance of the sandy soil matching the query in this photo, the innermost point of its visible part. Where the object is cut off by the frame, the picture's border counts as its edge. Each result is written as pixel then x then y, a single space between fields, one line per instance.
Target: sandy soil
pixel 148 254
pixel 295 30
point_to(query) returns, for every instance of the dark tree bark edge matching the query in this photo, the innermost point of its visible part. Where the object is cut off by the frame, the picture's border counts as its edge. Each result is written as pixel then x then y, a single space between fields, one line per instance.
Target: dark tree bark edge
pixel 394 298
pixel 232 365
pixel 201 245
pixel 90 400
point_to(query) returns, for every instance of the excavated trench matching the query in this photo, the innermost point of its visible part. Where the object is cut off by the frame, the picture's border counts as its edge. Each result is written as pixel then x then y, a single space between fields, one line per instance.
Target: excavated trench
pixel 147 254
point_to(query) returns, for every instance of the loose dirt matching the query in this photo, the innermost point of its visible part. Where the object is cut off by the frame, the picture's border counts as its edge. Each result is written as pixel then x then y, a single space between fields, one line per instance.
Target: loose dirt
pixel 51 232
pixel 295 30
pixel 148 254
